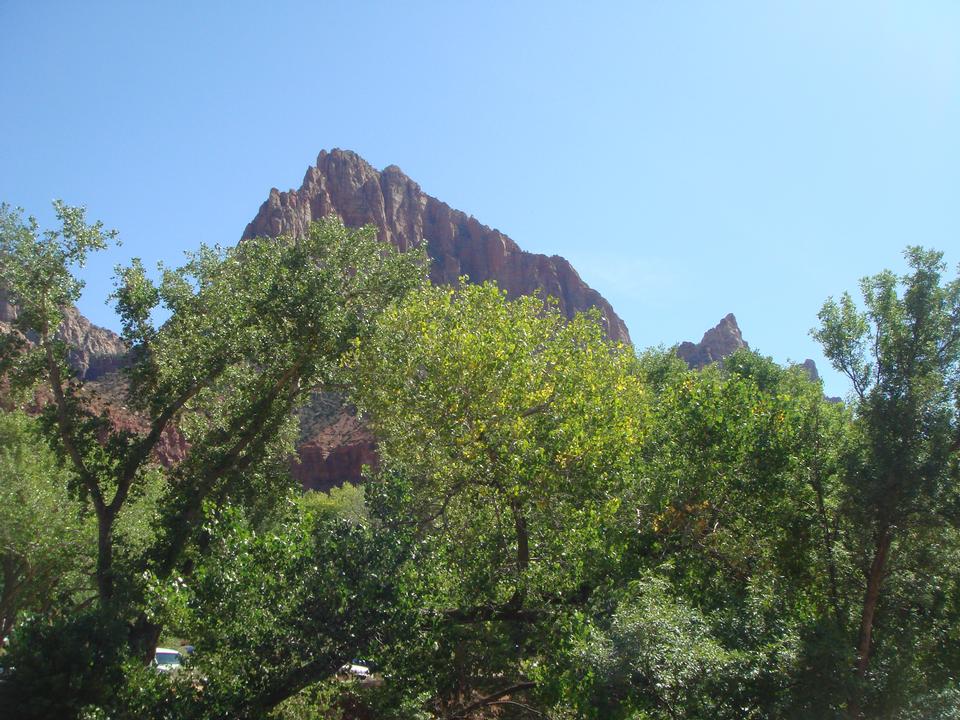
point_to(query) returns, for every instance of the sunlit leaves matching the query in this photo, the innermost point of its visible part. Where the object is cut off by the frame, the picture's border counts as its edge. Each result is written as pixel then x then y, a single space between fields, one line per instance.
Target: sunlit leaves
pixel 45 540
pixel 502 408
pixel 517 429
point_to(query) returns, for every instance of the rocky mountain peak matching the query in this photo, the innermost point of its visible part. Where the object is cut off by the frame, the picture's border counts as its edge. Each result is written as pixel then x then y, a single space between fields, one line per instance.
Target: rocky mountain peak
pixel 725 339
pixel 334 445
pixel 344 184
pixel 810 368
pixel 718 342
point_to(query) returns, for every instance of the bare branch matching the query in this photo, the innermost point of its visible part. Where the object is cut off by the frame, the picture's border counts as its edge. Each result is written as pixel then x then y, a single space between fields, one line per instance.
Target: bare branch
pixel 491 699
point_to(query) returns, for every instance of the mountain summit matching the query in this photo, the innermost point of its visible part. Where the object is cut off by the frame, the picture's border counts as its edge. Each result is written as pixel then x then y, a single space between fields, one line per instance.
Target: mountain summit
pixel 344 184
pixel 717 343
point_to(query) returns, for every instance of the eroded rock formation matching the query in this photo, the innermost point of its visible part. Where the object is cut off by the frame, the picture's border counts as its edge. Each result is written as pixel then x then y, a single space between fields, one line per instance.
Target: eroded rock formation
pixel 718 342
pixel 95 352
pixel 98 354
pixel 344 184
pixel 334 445
pixel 725 339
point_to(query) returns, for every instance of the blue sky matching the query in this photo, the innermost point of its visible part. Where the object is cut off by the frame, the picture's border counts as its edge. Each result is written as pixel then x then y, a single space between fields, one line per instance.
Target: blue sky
pixel 689 158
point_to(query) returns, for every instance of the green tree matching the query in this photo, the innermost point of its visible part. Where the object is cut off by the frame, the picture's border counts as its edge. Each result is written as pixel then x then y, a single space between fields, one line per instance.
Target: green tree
pixel 276 610
pixel 731 521
pixel 45 548
pixel 347 502
pixel 902 356
pixel 514 431
pixel 252 331
pixel 568 499
pixel 653 656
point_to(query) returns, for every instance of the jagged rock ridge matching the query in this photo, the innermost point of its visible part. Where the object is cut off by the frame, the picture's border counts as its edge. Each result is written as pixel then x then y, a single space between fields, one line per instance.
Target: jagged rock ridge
pixel 717 343
pixel 725 339
pixel 344 184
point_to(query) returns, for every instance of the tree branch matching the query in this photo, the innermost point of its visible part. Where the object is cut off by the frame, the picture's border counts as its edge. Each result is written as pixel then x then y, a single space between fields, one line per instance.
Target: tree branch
pixel 65 426
pixel 491 613
pixel 290 684
pixel 491 698
pixel 233 459
pixel 147 443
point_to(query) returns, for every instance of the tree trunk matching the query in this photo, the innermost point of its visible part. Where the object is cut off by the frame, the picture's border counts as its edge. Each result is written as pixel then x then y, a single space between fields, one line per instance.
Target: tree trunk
pixel 523 539
pixel 523 553
pixel 871 597
pixel 8 604
pixel 144 636
pixel 104 555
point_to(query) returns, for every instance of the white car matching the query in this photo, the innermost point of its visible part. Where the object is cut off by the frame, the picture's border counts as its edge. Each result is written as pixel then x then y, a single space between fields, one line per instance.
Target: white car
pixel 166 660
pixel 355 670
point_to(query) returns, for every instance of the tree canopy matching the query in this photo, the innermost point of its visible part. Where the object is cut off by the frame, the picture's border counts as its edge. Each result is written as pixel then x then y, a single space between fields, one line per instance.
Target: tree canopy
pixel 902 355
pixel 252 331
pixel 556 526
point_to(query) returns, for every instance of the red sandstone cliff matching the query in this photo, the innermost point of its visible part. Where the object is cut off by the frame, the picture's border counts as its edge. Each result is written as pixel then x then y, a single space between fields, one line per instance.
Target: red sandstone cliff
pixel 334 445
pixel 723 340
pixel 344 184
pixel 95 351
pixel 97 355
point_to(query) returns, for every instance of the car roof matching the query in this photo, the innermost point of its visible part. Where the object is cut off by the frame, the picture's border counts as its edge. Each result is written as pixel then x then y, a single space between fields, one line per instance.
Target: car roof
pixel 167 650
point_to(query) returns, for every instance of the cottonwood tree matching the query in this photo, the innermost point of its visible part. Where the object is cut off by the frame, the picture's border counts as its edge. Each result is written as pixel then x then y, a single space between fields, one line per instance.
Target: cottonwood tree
pixel 251 332
pixel 513 431
pixel 722 574
pixel 901 353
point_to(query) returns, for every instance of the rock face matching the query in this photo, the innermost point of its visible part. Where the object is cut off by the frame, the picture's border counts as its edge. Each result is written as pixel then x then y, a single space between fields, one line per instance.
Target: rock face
pixel 107 395
pixel 97 354
pixel 335 454
pixel 725 339
pixel 96 350
pixel 717 343
pixel 810 368
pixel 334 445
pixel 344 184
pixel 8 311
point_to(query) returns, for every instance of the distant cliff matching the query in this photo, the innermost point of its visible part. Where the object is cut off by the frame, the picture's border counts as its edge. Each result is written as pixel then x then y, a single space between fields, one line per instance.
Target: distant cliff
pixel 97 355
pixel 344 184
pixel 334 445
pixel 716 344
pixel 95 351
pixel 725 339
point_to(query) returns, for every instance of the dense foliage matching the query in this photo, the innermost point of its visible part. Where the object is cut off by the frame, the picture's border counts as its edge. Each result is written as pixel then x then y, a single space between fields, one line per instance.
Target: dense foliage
pixel 252 332
pixel 36 516
pixel 557 527
pixel 517 433
pixel 902 355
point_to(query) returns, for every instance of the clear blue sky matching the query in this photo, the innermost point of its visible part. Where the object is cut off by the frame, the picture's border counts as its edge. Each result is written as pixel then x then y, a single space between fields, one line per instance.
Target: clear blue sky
pixel 689 158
